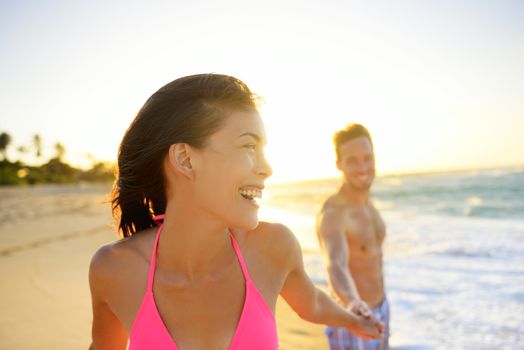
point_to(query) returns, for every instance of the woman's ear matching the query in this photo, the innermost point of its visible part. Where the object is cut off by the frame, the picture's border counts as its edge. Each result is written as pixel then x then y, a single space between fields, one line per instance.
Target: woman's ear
pixel 180 160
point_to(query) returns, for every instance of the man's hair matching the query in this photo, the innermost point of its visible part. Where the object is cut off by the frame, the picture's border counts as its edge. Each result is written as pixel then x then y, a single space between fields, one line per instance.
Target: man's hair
pixel 350 132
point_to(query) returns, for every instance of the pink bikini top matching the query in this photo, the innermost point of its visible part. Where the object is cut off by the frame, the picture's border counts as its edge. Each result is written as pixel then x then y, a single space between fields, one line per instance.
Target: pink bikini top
pixel 256 328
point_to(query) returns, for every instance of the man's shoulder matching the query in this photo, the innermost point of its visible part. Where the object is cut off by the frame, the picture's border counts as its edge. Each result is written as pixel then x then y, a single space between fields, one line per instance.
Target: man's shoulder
pixel 332 218
pixel 375 211
pixel 377 218
pixel 334 208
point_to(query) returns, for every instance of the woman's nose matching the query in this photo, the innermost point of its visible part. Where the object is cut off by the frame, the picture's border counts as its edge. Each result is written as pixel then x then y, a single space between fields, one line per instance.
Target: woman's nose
pixel 264 169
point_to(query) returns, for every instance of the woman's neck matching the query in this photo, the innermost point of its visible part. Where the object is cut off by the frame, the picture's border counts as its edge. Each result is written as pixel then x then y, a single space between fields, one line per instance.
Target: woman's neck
pixel 192 243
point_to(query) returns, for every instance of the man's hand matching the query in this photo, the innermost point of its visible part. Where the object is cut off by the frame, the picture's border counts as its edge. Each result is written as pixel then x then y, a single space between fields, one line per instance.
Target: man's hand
pixel 360 308
pixel 367 327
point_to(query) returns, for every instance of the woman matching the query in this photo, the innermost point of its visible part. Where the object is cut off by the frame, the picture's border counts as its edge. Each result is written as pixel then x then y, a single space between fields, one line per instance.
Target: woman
pixel 209 276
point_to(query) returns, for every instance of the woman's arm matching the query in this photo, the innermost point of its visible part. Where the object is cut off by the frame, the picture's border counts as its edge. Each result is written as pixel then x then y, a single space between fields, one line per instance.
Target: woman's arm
pixel 313 304
pixel 107 331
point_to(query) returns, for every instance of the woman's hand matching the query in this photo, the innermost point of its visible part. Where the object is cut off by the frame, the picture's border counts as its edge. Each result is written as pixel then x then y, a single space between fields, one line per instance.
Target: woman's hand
pixel 367 327
pixel 359 307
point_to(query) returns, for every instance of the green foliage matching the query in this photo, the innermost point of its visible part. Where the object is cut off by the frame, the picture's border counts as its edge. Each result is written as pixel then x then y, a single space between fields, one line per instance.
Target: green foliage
pixel 100 172
pixel 5 140
pixel 54 171
pixel 9 173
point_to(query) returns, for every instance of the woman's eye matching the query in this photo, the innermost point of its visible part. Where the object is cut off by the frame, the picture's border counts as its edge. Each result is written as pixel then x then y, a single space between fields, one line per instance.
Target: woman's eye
pixel 251 146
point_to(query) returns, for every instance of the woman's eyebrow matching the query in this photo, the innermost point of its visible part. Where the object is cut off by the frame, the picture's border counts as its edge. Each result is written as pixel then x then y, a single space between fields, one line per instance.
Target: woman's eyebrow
pixel 255 136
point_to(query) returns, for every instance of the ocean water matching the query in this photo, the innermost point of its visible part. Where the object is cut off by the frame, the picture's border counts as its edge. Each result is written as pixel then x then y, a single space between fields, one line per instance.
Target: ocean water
pixel 453 254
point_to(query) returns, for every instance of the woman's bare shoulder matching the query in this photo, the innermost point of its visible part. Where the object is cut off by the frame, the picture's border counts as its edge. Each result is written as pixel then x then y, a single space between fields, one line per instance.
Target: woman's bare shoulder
pixel 275 240
pixel 121 255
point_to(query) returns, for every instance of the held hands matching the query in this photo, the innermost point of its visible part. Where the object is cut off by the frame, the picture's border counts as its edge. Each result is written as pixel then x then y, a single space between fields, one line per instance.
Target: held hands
pixel 359 307
pixel 367 326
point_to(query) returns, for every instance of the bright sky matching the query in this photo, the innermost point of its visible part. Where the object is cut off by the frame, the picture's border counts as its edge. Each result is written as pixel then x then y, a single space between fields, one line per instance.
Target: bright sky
pixel 440 84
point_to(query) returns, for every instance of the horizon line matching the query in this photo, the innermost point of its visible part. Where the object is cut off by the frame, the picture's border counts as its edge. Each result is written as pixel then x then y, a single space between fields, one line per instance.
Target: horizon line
pixel 410 173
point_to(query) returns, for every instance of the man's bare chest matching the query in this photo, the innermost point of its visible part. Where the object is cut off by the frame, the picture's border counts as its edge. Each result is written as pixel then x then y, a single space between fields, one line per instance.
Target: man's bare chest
pixel 365 229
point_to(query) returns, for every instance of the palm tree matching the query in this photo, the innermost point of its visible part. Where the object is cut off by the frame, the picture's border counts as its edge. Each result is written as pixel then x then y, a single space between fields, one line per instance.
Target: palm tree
pixel 60 151
pixel 37 144
pixel 5 140
pixel 22 150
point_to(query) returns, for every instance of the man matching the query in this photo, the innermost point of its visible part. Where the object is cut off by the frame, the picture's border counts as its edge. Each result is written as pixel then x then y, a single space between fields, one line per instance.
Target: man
pixel 351 232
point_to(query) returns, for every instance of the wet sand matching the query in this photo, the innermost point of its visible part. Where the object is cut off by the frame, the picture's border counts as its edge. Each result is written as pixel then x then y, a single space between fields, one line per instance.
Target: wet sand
pixel 47 237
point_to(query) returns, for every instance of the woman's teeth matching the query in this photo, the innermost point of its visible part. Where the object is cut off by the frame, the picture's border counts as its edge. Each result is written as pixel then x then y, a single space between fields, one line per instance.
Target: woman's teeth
pixel 250 193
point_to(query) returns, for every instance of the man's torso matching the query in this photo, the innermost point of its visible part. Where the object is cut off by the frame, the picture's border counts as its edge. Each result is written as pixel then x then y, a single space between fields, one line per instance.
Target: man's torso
pixel 365 231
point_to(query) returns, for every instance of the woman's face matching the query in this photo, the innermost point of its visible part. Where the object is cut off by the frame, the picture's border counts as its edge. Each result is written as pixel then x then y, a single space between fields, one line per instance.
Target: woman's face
pixel 230 171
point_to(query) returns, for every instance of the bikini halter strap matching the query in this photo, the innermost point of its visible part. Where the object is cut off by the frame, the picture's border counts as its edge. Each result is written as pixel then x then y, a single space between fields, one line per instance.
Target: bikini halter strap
pixel 159 221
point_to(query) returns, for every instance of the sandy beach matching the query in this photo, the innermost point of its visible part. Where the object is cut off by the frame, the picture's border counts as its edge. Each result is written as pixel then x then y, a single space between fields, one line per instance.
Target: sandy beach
pixel 47 237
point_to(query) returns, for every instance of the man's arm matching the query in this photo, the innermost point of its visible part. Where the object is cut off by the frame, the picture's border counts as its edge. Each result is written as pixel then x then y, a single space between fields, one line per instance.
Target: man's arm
pixel 335 249
pixel 310 302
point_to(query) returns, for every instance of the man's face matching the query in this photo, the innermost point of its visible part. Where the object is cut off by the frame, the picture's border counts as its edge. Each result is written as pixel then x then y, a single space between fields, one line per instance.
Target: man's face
pixel 357 162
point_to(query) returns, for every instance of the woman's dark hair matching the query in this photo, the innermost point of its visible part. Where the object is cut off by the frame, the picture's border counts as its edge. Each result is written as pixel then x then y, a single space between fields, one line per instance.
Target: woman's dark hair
pixel 187 110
